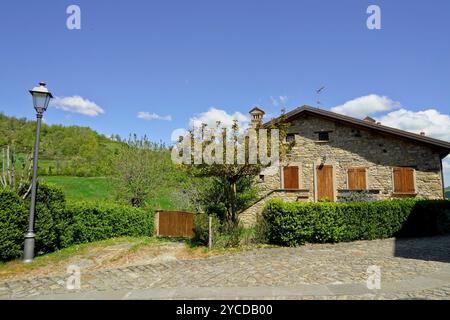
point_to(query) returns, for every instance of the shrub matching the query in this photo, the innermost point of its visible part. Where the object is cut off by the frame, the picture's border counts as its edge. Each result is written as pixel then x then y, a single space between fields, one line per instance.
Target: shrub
pixel 13 225
pixel 201 228
pixel 231 235
pixel 49 217
pixel 296 223
pixel 93 221
pixel 357 196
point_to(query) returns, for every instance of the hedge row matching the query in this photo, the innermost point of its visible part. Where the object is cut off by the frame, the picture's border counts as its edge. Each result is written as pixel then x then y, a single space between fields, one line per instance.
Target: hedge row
pixel 292 224
pixel 60 224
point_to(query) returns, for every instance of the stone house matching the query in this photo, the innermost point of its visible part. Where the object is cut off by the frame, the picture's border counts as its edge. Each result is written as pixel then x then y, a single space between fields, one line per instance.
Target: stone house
pixel 334 154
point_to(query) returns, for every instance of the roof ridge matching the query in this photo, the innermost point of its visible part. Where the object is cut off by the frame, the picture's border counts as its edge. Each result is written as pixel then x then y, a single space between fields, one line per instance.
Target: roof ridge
pixel 379 127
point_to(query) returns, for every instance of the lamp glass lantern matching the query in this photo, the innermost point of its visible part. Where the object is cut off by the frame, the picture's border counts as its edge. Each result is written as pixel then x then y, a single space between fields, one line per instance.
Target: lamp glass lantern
pixel 41 97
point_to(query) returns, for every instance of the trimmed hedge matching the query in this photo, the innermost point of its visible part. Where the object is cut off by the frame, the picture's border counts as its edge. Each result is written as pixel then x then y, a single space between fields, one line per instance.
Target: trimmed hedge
pixel 294 223
pixel 93 221
pixel 13 224
pixel 59 224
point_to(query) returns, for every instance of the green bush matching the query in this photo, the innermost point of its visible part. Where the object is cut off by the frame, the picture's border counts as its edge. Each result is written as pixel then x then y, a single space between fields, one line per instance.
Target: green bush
pixel 49 217
pixel 201 228
pixel 231 235
pixel 296 223
pixel 13 225
pixel 59 224
pixel 93 221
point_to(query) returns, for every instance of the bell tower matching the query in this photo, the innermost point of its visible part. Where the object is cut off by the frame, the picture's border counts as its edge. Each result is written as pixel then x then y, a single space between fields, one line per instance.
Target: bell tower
pixel 257 115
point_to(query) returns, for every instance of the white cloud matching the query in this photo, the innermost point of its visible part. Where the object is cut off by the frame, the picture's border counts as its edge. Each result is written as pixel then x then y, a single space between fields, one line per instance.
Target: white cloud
pixel 153 116
pixel 431 121
pixel 213 115
pixel 392 114
pixel 77 104
pixel 366 106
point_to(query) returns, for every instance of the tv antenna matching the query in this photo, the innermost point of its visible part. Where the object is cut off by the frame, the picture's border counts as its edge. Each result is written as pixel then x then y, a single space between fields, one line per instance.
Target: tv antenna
pixel 318 92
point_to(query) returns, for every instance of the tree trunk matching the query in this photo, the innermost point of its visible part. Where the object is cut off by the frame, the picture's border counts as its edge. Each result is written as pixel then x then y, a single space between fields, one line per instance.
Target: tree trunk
pixel 233 201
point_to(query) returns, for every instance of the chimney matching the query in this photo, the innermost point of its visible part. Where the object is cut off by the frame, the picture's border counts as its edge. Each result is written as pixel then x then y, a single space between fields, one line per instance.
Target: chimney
pixel 257 115
pixel 370 120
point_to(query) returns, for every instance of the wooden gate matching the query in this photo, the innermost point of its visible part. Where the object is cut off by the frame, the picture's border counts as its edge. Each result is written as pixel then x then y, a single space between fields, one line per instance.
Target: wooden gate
pixel 325 185
pixel 174 224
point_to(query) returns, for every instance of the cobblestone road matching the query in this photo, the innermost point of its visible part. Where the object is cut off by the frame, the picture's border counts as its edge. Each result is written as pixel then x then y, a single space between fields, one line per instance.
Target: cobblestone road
pixel 410 269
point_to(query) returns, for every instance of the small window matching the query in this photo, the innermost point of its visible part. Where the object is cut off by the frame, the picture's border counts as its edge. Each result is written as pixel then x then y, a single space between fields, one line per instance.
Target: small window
pixel 324 136
pixel 290 137
pixel 261 178
pixel 404 180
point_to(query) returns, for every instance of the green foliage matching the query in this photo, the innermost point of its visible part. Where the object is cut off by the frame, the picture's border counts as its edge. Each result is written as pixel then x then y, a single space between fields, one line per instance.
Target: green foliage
pixel 60 224
pixel 73 150
pixel 13 224
pixel 201 228
pixel 141 169
pixel 49 218
pixel 294 224
pixel 215 193
pixel 226 233
pixel 93 221
pixel 83 188
pixel 230 236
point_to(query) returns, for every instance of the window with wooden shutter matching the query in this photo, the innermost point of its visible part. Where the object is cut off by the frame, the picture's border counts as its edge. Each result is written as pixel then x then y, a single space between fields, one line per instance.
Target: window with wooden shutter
pixel 404 180
pixel 290 175
pixel 357 179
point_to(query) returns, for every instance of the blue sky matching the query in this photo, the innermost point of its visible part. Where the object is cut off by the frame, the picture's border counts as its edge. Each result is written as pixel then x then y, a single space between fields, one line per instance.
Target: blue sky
pixel 178 59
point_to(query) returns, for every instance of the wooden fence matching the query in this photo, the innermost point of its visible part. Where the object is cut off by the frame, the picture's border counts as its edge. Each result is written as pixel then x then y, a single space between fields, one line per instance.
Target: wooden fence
pixel 174 224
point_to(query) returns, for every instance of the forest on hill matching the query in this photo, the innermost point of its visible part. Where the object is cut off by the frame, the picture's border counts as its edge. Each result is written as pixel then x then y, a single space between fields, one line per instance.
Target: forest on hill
pixel 71 150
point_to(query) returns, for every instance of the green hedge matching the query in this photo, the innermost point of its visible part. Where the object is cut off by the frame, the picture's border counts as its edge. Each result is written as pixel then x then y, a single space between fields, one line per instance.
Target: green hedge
pixel 294 223
pixel 13 224
pixel 92 221
pixel 59 224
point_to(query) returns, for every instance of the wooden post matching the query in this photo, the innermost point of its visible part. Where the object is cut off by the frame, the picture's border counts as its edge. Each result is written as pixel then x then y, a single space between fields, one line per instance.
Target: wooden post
pixel 210 232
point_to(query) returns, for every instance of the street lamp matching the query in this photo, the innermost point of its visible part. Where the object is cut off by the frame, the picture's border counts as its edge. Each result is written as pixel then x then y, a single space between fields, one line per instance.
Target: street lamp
pixel 41 98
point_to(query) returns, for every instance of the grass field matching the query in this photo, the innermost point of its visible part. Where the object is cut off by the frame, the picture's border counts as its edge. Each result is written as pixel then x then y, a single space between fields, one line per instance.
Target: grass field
pixel 83 188
pixel 100 188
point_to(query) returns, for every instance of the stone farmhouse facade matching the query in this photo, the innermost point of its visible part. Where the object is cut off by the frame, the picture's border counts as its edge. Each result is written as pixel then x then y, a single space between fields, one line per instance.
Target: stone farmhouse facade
pixel 334 154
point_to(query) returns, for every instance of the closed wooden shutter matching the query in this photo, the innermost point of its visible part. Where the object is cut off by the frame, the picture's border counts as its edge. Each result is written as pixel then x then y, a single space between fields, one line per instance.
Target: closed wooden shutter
pixel 357 179
pixel 404 180
pixel 290 175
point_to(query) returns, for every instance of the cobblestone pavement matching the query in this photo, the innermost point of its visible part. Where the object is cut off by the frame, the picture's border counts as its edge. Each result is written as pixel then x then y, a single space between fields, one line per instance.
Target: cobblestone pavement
pixel 410 269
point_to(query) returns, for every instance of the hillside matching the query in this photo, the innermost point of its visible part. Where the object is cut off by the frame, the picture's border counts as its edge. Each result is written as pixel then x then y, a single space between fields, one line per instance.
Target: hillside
pixel 71 150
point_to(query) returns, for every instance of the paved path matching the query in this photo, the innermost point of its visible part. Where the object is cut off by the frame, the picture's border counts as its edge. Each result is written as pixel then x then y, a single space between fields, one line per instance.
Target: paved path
pixel 410 269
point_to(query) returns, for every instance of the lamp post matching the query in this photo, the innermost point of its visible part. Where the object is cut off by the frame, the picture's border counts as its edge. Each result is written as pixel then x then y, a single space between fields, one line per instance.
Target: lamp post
pixel 41 98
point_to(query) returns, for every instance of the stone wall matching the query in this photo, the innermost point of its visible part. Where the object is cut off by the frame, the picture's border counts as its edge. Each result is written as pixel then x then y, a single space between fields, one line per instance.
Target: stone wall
pixel 352 147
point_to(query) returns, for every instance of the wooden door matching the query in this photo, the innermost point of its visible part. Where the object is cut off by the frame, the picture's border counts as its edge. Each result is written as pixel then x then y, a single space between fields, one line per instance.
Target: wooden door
pixel 290 175
pixel 325 185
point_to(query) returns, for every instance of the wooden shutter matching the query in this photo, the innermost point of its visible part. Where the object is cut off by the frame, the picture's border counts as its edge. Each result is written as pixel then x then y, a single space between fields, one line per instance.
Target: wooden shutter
pixel 357 179
pixel 404 180
pixel 290 175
